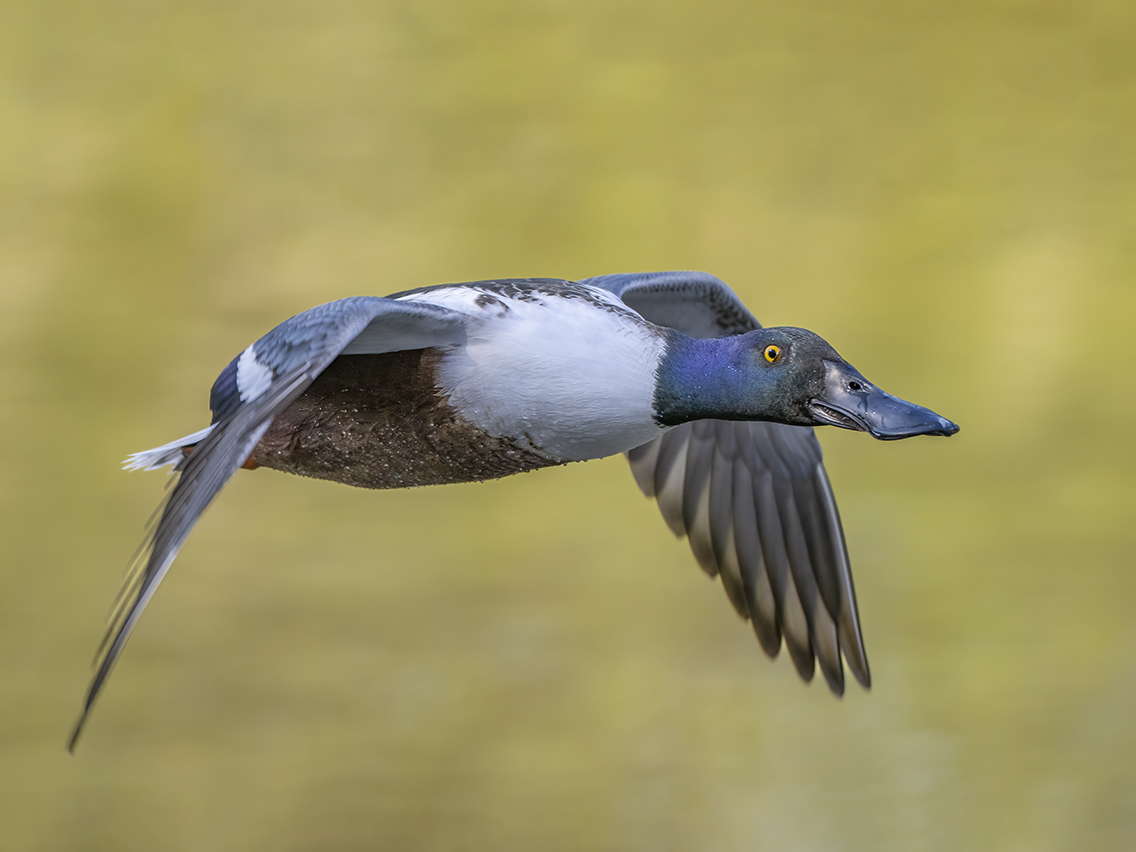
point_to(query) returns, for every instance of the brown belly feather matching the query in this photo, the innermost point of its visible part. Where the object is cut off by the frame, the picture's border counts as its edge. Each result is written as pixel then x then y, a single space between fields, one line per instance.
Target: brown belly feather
pixel 379 421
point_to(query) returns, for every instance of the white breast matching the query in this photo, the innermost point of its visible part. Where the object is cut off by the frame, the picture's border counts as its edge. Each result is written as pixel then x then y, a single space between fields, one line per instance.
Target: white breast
pixel 567 378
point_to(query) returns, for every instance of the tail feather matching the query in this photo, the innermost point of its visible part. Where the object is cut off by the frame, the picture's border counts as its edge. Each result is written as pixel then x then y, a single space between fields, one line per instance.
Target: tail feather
pixel 166 454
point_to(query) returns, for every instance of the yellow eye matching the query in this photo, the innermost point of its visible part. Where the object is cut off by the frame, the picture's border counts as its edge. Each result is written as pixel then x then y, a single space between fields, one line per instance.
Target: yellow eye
pixel 772 353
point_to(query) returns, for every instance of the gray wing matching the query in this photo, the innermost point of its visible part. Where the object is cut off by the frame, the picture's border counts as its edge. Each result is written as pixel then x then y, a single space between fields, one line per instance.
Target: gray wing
pixel 753 498
pixel 249 393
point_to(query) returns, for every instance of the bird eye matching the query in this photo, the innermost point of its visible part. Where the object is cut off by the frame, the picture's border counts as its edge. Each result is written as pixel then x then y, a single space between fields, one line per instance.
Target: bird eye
pixel 772 353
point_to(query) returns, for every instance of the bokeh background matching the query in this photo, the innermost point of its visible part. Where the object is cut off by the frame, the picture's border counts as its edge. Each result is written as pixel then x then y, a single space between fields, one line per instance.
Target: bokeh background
pixel 946 191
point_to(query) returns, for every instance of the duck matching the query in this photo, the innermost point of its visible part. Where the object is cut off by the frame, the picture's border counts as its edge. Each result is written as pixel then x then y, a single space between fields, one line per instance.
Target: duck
pixel 479 380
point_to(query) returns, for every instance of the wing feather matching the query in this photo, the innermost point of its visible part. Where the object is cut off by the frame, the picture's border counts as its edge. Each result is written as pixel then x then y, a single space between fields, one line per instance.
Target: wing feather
pixel 696 496
pixel 287 360
pixel 753 499
pixel 760 602
pixel 644 463
pixel 722 539
pixel 670 478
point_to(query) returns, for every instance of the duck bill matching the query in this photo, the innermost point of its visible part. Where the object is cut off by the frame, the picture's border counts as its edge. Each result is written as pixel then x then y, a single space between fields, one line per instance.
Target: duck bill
pixel 850 401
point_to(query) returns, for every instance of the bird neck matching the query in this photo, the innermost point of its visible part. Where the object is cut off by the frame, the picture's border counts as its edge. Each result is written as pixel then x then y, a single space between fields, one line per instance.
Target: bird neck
pixel 708 378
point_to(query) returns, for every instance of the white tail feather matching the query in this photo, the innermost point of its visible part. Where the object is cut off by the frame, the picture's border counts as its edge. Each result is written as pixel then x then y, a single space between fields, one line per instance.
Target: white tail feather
pixel 166 454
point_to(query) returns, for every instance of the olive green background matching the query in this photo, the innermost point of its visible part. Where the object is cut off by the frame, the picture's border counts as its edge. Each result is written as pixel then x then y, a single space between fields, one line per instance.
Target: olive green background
pixel 945 191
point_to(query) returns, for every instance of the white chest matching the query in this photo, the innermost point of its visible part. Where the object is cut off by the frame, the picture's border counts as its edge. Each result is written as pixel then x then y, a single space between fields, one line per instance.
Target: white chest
pixel 561 376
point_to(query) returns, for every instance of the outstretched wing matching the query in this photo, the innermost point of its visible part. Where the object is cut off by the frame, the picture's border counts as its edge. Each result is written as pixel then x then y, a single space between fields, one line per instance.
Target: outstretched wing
pixel 753 498
pixel 259 383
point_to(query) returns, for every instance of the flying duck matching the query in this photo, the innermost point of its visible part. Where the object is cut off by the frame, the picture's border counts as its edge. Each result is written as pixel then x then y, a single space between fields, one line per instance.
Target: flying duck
pixel 474 381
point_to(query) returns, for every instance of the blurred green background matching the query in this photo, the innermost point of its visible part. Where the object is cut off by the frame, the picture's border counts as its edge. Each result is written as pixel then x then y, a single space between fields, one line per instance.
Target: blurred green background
pixel 947 192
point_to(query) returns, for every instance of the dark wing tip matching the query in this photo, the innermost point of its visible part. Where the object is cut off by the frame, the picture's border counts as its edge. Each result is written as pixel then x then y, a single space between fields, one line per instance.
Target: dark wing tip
pixel 833 672
pixel 78 729
pixel 758 511
pixel 863 675
pixel 803 660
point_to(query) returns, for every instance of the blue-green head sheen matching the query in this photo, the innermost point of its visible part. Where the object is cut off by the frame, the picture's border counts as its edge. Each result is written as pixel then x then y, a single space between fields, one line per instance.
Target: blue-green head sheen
pixel 768 374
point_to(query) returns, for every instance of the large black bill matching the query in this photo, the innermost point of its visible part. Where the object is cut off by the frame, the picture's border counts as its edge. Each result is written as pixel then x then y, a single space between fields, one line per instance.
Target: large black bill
pixel 852 402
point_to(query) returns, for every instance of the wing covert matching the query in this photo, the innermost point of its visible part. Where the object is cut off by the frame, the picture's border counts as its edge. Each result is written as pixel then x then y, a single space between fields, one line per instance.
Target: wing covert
pixel 696 303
